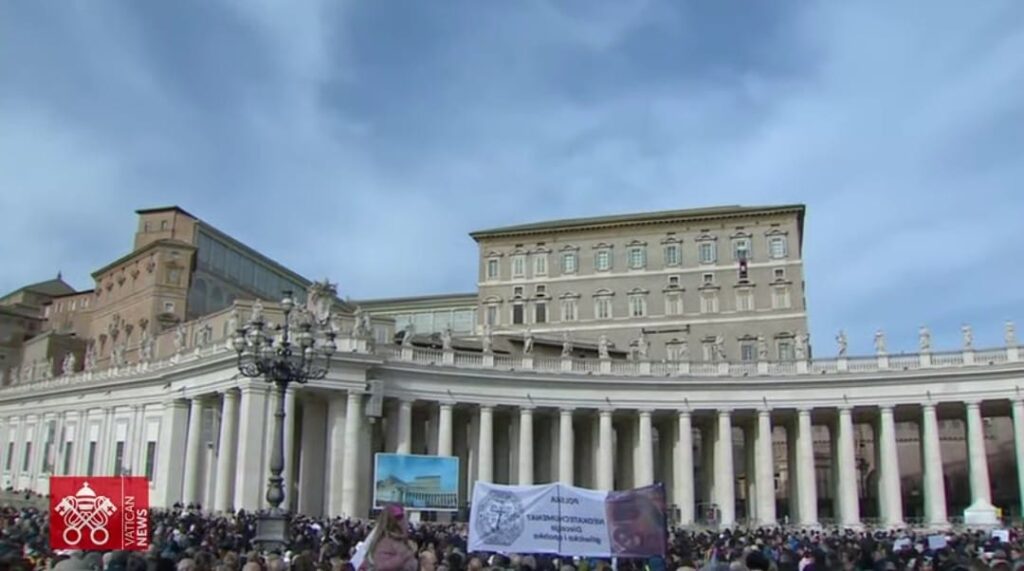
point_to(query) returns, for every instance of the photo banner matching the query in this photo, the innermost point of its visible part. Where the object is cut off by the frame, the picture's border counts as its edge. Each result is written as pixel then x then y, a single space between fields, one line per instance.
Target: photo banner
pixel 566 520
pixel 419 483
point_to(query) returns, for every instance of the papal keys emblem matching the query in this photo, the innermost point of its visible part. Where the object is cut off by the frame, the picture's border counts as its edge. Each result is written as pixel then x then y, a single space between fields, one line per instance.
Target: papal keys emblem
pixel 86 511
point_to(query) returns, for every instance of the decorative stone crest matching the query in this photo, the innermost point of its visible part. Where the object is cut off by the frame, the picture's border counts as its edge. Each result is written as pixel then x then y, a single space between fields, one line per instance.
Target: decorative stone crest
pixel 319 299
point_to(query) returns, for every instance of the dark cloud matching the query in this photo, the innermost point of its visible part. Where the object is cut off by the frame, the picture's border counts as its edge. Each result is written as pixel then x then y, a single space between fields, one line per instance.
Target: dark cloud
pixel 364 140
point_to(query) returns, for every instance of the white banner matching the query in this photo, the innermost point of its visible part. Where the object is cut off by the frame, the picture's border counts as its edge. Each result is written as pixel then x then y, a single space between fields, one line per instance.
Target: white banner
pixel 566 520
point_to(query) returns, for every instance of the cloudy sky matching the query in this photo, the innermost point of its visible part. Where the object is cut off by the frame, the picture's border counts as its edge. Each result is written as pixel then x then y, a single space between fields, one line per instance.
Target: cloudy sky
pixel 362 141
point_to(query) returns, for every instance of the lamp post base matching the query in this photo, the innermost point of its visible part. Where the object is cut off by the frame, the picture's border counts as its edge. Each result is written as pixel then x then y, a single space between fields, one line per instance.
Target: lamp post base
pixel 272 531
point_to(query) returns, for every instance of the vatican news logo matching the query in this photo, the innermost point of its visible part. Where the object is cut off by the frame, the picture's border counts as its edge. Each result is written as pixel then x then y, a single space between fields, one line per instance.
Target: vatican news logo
pixel 99 513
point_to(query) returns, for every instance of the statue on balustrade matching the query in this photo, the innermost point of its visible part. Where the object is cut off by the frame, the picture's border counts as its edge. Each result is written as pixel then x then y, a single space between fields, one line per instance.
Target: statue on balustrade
pixel 117 355
pixel 407 334
pixel 67 367
pixel 90 357
pixel 1010 334
pixel 360 324
pixel 642 346
pixel 319 299
pixel 487 341
pixel 968 335
pixel 719 348
pixel 841 341
pixel 602 347
pixel 762 348
pixel 146 347
pixel 800 349
pixel 684 349
pixel 48 367
pixel 15 375
pixel 257 312
pixel 180 338
pixel 924 339
pixel 879 342
pixel 446 339
pixel 234 320
pixel 566 345
pixel 30 371
pixel 527 342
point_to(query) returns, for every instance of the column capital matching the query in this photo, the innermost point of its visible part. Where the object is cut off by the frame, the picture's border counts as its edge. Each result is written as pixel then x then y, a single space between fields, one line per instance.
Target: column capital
pixel 486 407
pixel 723 411
pixel 804 410
pixel 446 405
pixel 605 412
pixel 684 412
pixel 886 408
pixel 566 410
pixel 845 408
pixel 972 403
pixel 928 405
pixel 645 412
pixel 526 408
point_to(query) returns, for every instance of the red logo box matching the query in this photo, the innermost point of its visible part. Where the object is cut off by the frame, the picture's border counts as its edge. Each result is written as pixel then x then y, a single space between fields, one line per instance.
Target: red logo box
pixel 99 513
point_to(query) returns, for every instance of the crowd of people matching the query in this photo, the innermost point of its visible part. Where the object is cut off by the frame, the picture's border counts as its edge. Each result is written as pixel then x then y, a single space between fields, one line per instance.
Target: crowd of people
pixel 188 539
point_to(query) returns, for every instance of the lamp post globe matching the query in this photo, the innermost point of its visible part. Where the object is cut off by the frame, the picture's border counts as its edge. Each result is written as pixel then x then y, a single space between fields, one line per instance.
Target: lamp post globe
pixel 297 350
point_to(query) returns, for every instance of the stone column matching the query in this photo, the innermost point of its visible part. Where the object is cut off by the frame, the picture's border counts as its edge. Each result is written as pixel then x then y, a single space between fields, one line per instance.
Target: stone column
pixel 404 427
pixel 931 453
pixel 890 493
pixel 764 468
pixel 252 422
pixel 725 484
pixel 645 467
pixel 566 447
pixel 193 452
pixel 1018 441
pixel 846 466
pixel 807 485
pixel 977 458
pixel 525 446
pixel 683 472
pixel 313 457
pixel 444 430
pixel 486 471
pixel 171 451
pixel 605 455
pixel 350 469
pixel 226 450
pixel 337 405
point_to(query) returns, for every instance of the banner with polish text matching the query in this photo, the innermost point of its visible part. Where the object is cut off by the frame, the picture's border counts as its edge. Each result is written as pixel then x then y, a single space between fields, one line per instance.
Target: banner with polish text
pixel 99 513
pixel 566 520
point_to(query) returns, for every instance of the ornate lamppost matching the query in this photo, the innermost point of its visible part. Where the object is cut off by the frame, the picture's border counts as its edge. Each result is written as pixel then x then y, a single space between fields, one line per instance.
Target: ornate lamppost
pixel 290 357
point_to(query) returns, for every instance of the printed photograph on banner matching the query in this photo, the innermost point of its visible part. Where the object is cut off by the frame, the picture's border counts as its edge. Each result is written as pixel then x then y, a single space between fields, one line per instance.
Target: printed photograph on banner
pixel 637 522
pixel 99 513
pixel 426 483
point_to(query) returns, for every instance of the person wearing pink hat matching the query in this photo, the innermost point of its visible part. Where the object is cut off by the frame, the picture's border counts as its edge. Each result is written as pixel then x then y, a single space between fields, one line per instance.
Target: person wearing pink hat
pixel 388 547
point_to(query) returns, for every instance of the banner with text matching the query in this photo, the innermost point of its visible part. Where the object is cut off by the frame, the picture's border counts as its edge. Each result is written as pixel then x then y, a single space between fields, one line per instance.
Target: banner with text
pixel 566 520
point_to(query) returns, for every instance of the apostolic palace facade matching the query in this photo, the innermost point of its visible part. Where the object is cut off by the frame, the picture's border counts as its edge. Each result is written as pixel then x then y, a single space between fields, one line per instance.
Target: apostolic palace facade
pixel 607 353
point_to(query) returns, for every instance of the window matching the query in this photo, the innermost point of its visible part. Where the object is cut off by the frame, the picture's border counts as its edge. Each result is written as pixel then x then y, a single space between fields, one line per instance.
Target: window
pixel 90 467
pixel 569 310
pixel 603 308
pixel 637 305
pixel 741 249
pixel 491 315
pixel 708 279
pixel 785 350
pixel 674 351
pixel 780 298
pixel 779 273
pixel 517 291
pixel 163 225
pixel 145 226
pixel 541 290
pixel 174 276
pixel 519 266
pixel 46 311
pixel 492 269
pixel 26 460
pixel 150 459
pixel 540 313
pixel 748 351
pixel 706 252
pixel 672 257
pixel 744 300
pixel 777 247
pixel 673 281
pixel 540 264
pixel 708 351
pixel 10 456
pixel 69 448
pixel 569 263
pixel 119 458
pixel 673 304
pixel 603 260
pixel 518 314
pixel 709 302
pixel 168 307
pixel 637 258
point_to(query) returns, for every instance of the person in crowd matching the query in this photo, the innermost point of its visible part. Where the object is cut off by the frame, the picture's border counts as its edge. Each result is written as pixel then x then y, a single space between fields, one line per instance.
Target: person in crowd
pixel 388 547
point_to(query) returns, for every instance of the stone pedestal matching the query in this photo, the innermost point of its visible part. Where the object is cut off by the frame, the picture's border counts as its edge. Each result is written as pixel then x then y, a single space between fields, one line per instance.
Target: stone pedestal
pixel 407 353
pixel 981 513
pixel 566 364
pixel 606 366
pixel 684 367
pixel 645 368
pixel 925 360
pixel 762 367
pixel 489 360
pixel 883 362
pixel 842 365
pixel 969 357
pixel 1013 354
pixel 801 367
pixel 723 369
pixel 528 362
pixel 448 357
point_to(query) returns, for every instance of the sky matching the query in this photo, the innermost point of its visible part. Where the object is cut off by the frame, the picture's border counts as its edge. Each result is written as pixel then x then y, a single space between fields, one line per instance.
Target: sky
pixel 362 141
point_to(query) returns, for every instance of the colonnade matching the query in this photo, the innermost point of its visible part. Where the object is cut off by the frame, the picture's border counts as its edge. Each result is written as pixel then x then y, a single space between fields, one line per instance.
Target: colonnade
pixel 213 449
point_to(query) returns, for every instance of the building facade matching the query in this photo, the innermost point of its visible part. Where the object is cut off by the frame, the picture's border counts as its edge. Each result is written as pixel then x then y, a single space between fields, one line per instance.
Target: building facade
pixel 726 406
pixel 716 282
